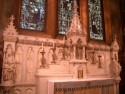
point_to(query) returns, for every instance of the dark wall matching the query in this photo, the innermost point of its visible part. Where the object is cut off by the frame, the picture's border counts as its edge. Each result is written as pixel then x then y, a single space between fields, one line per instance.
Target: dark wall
pixel 122 83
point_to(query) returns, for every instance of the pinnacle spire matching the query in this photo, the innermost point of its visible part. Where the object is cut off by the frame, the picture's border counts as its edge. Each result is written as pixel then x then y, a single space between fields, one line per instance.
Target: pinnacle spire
pixel 75 26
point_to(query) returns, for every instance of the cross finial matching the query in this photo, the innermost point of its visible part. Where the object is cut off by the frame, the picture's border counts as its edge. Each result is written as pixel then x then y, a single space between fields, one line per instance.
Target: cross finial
pixel 12 18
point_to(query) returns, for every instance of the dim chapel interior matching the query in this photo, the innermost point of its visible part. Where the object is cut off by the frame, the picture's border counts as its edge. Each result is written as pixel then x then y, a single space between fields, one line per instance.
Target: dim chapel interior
pixel 62 46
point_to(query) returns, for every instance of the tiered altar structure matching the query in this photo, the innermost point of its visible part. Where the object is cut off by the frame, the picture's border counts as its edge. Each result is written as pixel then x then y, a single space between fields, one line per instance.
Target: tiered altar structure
pixel 35 65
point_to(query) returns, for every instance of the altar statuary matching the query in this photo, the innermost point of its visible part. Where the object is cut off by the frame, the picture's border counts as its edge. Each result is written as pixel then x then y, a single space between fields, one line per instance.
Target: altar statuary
pixel 53 54
pixel 79 49
pixel 18 61
pixel 29 64
pixel 9 64
pixel 60 67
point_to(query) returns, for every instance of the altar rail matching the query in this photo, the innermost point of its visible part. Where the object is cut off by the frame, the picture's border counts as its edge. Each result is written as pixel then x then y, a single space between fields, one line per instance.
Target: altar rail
pixel 83 87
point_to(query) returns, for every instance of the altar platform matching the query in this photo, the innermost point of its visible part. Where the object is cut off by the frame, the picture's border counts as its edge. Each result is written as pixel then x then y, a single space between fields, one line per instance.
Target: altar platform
pixel 82 86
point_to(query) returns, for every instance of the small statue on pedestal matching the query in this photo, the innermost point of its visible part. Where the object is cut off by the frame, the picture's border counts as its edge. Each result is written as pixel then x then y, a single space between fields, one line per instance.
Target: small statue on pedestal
pixel 71 49
pixel 43 59
pixel 116 67
pixel 54 56
pixel 79 49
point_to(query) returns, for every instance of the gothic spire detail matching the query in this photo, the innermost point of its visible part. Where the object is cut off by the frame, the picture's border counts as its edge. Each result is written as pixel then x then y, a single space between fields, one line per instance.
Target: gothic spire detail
pixel 114 45
pixel 10 30
pixel 76 26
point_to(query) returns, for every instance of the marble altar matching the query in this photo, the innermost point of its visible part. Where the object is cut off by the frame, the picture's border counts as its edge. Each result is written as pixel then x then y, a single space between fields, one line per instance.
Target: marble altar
pixel 36 65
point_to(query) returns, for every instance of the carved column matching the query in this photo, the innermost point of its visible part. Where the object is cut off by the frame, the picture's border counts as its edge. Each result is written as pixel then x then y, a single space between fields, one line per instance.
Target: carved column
pixel 8 68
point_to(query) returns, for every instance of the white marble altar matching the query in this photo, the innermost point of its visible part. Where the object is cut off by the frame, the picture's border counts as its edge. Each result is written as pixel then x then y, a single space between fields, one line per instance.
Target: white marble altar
pixel 33 65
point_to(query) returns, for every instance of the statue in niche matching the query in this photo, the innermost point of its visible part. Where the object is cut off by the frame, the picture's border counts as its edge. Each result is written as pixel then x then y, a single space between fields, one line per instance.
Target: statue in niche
pixel 79 49
pixel 71 49
pixel 52 55
pixel 116 66
pixel 64 52
pixel 60 54
pixel 9 64
pixel 18 60
pixel 29 66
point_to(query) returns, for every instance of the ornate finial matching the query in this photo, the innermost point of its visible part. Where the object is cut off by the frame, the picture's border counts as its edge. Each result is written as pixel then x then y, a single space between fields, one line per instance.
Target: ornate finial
pixel 12 18
pixel 75 7
pixel 10 30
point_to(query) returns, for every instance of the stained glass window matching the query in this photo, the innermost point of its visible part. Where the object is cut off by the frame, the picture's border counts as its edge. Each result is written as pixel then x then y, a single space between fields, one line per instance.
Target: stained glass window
pixel 65 15
pixel 96 25
pixel 32 15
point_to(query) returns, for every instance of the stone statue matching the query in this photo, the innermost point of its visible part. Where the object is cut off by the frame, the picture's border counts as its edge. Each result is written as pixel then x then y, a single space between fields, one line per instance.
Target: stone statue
pixel 9 64
pixel 79 49
pixel 116 67
pixel 71 49
pixel 29 66
pixel 18 60
pixel 52 55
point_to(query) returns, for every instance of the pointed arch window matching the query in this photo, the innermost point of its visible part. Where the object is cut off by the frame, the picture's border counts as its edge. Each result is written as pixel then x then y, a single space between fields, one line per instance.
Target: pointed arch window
pixel 65 15
pixel 96 20
pixel 32 16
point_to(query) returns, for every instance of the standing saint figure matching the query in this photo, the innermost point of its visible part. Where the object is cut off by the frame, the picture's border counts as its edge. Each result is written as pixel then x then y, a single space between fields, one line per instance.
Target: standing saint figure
pixel 79 49
pixel 18 60
pixel 9 64
pixel 116 67
pixel 29 66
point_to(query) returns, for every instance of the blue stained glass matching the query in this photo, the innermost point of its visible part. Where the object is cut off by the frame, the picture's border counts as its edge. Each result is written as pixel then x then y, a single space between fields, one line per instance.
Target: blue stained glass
pixel 96 19
pixel 65 15
pixel 32 15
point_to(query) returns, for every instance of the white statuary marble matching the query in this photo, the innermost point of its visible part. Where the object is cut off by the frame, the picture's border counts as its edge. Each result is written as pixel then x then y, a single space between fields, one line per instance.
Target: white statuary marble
pixel 31 64
pixel 9 64
pixel 18 61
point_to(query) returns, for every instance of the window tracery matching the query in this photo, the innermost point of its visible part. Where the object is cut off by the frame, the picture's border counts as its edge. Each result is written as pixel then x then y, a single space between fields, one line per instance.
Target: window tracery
pixel 95 19
pixel 65 15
